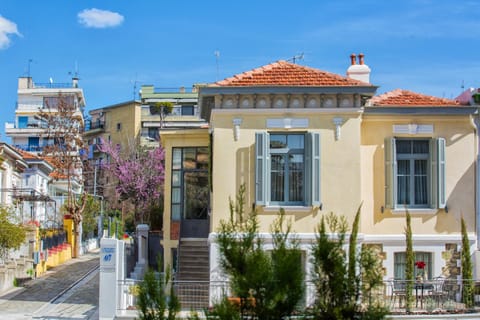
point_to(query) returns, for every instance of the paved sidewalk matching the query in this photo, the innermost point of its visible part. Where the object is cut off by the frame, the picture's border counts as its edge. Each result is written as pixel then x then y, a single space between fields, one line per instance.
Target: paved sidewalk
pixel 37 292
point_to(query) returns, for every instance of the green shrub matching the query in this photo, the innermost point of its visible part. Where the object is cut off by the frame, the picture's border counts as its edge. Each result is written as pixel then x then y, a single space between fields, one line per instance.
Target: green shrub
pixel 224 310
pixel 156 298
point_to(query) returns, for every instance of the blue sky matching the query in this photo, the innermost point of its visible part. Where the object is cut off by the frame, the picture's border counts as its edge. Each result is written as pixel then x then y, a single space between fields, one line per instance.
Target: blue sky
pixel 430 47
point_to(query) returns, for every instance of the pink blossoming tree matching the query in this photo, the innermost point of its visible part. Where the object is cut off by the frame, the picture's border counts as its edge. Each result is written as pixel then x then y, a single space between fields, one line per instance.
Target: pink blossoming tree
pixel 140 176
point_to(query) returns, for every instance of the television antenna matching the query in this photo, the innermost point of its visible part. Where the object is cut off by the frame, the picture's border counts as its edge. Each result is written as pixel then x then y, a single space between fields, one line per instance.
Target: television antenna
pixel 217 56
pixel 296 57
pixel 135 83
pixel 28 66
pixel 75 73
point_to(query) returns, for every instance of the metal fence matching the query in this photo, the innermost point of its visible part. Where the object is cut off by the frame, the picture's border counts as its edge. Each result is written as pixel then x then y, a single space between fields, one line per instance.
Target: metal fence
pixel 435 296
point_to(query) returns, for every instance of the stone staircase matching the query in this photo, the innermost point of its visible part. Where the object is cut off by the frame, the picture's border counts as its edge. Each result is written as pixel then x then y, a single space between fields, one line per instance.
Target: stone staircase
pixel 193 274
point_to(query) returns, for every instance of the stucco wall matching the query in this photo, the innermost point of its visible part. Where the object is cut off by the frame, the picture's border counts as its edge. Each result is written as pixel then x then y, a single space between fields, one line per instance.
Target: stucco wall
pixel 460 176
pixel 233 163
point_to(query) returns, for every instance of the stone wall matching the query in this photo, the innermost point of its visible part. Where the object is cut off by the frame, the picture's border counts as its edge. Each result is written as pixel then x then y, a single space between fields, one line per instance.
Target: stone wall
pixel 15 268
pixel 451 270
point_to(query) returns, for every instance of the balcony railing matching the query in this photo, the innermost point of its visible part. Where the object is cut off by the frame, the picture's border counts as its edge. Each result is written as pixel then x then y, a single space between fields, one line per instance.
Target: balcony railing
pixel 94 125
pixel 438 296
pixel 30 148
pixel 54 85
pixel 40 148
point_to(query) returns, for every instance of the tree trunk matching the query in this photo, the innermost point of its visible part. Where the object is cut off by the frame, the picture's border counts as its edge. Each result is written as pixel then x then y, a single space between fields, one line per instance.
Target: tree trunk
pixel 76 246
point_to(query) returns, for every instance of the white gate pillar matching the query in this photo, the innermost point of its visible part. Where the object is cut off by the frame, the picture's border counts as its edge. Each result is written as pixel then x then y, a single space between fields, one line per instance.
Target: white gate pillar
pixel 112 273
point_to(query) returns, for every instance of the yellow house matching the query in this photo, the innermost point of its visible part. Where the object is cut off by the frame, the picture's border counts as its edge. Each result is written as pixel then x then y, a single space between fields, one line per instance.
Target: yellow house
pixel 120 125
pixel 313 142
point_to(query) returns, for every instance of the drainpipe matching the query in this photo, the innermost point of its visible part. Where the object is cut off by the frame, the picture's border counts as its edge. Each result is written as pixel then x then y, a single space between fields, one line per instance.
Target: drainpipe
pixel 476 121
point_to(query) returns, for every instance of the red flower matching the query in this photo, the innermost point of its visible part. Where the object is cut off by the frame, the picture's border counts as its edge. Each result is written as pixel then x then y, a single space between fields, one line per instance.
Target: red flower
pixel 420 264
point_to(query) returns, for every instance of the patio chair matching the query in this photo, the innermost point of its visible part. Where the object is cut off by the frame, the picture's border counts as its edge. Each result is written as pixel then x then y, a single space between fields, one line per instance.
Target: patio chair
pixel 398 291
pixel 438 292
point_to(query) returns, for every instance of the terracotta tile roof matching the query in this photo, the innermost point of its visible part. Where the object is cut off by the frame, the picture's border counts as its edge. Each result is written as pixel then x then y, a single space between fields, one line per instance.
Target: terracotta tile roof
pixel 58 175
pixel 283 73
pixel 55 162
pixel 27 155
pixel 401 97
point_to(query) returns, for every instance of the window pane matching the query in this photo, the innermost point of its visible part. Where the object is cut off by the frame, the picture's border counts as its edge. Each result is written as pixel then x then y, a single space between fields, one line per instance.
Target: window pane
pixel 153 134
pixel 196 195
pixel 177 159
pixel 403 146
pixel 278 141
pixel 187 110
pixel 403 182
pixel 420 146
pixel 296 169
pixel 421 190
pixel 189 159
pixel 426 257
pixel 176 178
pixel 296 141
pixel 277 178
pixel 202 158
pixel 400 264
pixel 176 212
pixel 176 195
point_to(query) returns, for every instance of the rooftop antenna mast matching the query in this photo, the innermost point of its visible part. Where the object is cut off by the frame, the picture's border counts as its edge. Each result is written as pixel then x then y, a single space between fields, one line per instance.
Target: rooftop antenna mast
pixel 76 69
pixel 75 73
pixel 217 56
pixel 28 67
pixel 135 86
pixel 296 57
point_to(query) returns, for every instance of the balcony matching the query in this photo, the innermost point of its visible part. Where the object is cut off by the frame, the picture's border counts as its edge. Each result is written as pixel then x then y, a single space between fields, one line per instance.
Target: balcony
pixel 30 148
pixel 95 126
pixel 190 112
pixel 41 148
pixel 30 128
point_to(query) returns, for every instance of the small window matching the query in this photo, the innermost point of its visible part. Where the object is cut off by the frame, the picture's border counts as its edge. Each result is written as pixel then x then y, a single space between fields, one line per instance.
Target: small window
pixel 422 265
pixel 188 110
pixel 153 134
pixel 415 173
pixel 119 126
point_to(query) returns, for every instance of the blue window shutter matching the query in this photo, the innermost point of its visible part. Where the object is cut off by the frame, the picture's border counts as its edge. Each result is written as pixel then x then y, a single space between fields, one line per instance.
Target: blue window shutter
pixel 312 169
pixel 261 168
pixel 442 201
pixel 390 173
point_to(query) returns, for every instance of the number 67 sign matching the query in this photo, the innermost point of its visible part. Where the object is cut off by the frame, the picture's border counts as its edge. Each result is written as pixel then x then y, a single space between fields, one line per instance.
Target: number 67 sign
pixel 107 259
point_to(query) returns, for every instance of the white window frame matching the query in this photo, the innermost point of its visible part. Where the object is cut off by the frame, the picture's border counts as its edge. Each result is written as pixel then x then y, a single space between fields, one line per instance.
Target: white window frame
pixel 436 178
pixel 263 169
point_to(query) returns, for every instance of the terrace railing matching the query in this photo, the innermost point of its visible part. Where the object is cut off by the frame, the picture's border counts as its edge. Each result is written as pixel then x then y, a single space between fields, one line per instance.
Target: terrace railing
pixel 435 296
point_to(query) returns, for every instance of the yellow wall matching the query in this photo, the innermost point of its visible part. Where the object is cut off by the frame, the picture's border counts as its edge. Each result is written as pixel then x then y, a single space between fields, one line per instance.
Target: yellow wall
pixel 129 117
pixel 233 163
pixel 460 176
pixel 169 140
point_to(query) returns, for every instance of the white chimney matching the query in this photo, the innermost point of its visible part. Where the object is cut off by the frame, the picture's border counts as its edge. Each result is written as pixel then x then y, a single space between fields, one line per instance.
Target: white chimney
pixel 75 82
pixel 360 71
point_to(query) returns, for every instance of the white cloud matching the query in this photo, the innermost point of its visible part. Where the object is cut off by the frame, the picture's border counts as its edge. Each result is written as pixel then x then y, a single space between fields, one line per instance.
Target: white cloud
pixel 96 18
pixel 7 28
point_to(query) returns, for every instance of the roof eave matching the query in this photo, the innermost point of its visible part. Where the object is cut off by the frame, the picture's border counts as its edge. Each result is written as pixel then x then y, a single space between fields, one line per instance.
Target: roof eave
pixel 420 110
pixel 268 89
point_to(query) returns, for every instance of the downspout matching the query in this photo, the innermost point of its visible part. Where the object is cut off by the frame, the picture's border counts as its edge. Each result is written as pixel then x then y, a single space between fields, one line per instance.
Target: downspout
pixel 476 122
